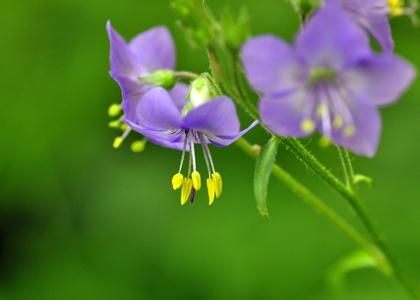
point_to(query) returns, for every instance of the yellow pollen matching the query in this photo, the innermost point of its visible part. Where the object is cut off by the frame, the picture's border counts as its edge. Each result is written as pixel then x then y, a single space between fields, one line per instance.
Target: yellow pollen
pixel 307 125
pixel 210 190
pixel 196 180
pixel 186 190
pixel 114 110
pixel 218 183
pixel 338 122
pixel 177 181
pixel 138 146
pixel 396 8
pixel 321 110
pixel 349 131
pixel 324 142
pixel 114 124
pixel 117 142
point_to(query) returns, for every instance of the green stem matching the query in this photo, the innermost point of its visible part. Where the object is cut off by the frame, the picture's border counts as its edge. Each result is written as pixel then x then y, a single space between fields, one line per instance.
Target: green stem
pixel 305 194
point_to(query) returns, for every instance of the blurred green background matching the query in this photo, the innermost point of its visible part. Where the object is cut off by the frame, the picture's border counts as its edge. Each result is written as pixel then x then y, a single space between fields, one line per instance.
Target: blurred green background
pixel 80 220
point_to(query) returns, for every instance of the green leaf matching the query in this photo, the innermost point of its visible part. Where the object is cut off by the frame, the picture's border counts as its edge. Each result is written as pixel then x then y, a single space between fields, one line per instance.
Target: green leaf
pixel 357 260
pixel 262 174
pixel 236 28
pixel 359 178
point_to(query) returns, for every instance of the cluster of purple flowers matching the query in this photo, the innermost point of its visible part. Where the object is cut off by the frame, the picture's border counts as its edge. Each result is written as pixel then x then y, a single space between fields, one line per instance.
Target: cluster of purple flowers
pixel 329 80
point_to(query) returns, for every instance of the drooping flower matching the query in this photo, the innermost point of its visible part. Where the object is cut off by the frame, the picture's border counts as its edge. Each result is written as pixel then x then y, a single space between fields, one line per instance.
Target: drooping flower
pixel 373 16
pixel 329 80
pixel 203 120
pixel 138 66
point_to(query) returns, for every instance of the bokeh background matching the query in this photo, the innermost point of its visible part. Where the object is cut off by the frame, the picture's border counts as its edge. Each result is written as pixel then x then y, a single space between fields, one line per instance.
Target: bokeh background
pixel 80 220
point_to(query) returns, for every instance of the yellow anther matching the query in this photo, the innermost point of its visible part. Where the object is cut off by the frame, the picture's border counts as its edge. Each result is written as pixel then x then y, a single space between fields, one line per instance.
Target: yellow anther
pixel 338 122
pixel 307 125
pixel 138 146
pixel 324 142
pixel 349 131
pixel 117 142
pixel 177 181
pixel 210 190
pixel 196 180
pixel 114 110
pixel 218 183
pixel 124 127
pixel 321 110
pixel 396 8
pixel 114 124
pixel 186 190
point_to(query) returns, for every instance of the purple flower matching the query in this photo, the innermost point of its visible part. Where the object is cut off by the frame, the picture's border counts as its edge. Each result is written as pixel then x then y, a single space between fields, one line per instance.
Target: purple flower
pixel 373 16
pixel 145 54
pixel 213 121
pixel 329 80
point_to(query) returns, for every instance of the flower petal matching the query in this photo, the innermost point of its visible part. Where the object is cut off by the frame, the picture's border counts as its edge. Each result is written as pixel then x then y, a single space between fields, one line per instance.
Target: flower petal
pixel 270 64
pixel 159 137
pixel 331 39
pixel 379 28
pixel 154 49
pixel 223 141
pixel 217 117
pixel 123 63
pixel 380 79
pixel 284 113
pixel 157 111
pixel 132 93
pixel 367 125
pixel 178 94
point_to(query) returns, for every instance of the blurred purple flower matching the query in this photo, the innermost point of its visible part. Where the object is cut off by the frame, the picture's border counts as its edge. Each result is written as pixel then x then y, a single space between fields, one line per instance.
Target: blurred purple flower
pixel 330 80
pixel 145 54
pixel 373 16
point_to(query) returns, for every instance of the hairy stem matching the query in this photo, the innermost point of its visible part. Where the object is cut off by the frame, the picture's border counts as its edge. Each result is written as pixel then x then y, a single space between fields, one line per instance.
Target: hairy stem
pixel 305 194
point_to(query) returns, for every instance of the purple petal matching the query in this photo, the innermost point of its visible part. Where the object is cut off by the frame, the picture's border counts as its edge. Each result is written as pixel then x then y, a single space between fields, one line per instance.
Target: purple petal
pixel 380 79
pixel 123 63
pixel 379 28
pixel 132 93
pixel 217 117
pixel 367 124
pixel 270 64
pixel 159 137
pixel 178 94
pixel 331 39
pixel 284 112
pixel 157 111
pixel 223 141
pixel 154 49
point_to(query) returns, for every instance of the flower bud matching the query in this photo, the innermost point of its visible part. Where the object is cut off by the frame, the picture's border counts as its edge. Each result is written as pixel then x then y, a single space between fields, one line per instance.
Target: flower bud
pixel 202 90
pixel 162 78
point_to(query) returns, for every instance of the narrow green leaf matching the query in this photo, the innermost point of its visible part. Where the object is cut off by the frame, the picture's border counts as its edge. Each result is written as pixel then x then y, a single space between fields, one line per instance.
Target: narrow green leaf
pixel 357 260
pixel 262 174
pixel 359 178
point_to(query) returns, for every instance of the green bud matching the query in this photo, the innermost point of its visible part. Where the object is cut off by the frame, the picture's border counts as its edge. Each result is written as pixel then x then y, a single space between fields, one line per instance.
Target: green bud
pixel 202 90
pixel 162 78
pixel 236 28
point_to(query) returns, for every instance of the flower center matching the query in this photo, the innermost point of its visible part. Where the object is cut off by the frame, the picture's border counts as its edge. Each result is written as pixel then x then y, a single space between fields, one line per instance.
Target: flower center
pixel 317 75
pixel 192 182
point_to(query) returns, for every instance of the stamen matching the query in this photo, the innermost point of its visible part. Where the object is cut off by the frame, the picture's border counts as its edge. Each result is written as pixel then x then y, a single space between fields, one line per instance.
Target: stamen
pixel 114 110
pixel 218 183
pixel 186 190
pixel 196 179
pixel 210 190
pixel 307 125
pixel 138 146
pixel 120 139
pixel 349 131
pixel 177 181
